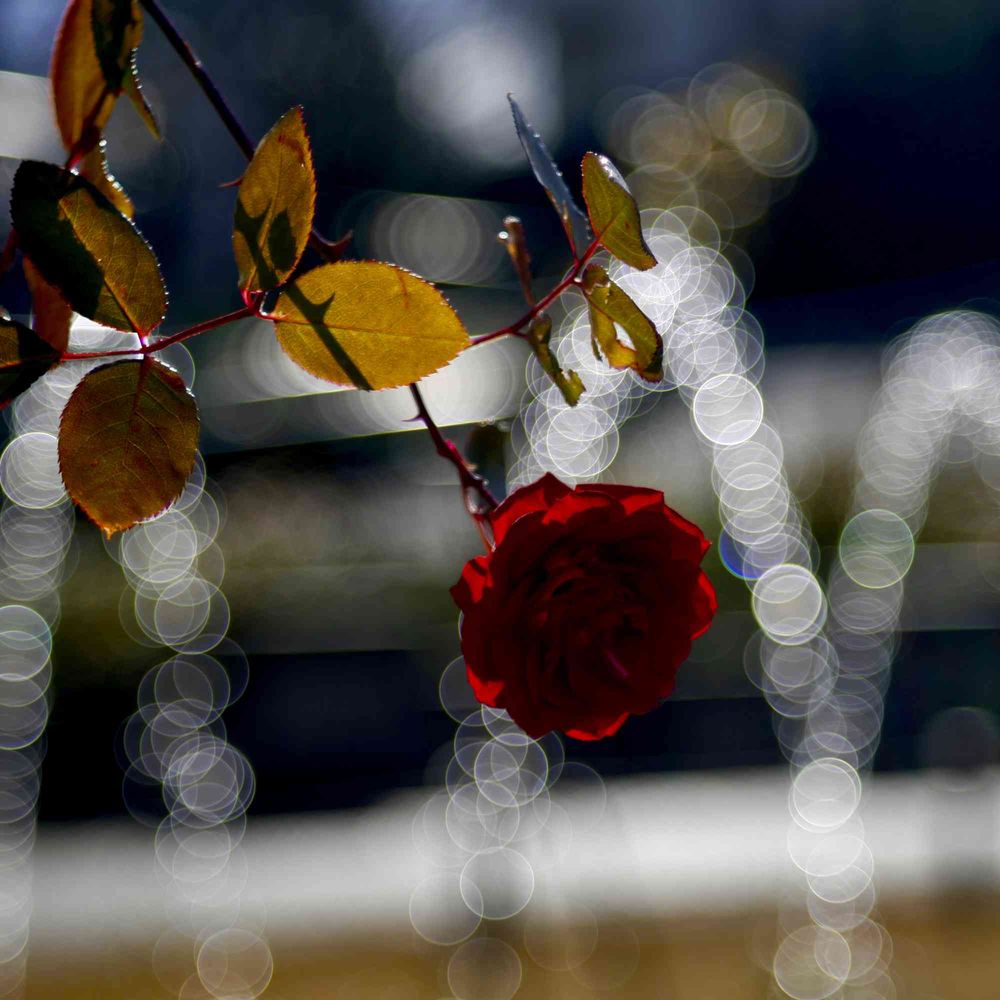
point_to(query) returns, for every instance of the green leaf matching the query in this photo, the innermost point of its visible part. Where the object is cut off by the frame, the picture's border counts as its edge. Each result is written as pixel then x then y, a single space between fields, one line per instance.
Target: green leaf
pixel 127 442
pixel 82 94
pixel 614 213
pixel 24 357
pixel 569 383
pixel 609 305
pixel 85 247
pixel 51 314
pixel 368 324
pixel 274 210
pixel 547 174
pixel 516 244
pixel 94 167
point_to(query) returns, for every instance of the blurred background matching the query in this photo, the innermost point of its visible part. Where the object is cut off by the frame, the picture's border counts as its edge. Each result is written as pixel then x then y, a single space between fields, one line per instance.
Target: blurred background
pixel 821 174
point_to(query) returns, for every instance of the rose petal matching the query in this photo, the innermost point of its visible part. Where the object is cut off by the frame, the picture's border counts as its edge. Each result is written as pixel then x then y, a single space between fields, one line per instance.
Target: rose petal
pixel 598 730
pixel 574 504
pixel 472 583
pixel 539 495
pixel 632 498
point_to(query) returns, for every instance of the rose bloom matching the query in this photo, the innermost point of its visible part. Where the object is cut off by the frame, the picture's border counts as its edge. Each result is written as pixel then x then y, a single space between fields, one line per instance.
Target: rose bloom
pixel 585 608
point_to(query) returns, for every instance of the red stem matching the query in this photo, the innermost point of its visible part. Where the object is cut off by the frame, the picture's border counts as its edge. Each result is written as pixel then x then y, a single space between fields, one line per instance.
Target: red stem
pixel 447 450
pixel 572 277
pixel 159 345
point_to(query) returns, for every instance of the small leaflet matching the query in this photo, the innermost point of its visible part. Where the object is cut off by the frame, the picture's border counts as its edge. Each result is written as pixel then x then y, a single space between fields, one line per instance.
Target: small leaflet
pixel 614 213
pixel 547 174
pixel 94 167
pixel 133 88
pixel 569 383
pixel 610 304
pixel 275 205
pixel 513 237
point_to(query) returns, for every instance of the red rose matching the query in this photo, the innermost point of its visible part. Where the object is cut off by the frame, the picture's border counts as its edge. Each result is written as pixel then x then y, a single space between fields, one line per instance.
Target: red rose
pixel 585 608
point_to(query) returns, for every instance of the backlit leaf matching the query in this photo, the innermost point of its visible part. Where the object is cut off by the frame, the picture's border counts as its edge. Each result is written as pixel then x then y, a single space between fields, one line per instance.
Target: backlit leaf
pixel 614 213
pixel 133 87
pixel 94 167
pixel 609 305
pixel 90 58
pixel 127 442
pixel 85 247
pixel 569 383
pixel 24 357
pixel 367 324
pixel 516 244
pixel 548 175
pixel 51 314
pixel 117 29
pixel 274 210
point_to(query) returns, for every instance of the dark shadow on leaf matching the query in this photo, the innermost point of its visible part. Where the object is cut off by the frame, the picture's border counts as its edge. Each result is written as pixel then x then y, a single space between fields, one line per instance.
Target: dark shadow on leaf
pixel 250 228
pixel 281 242
pixel 314 314
pixel 113 28
pixel 48 237
pixel 24 358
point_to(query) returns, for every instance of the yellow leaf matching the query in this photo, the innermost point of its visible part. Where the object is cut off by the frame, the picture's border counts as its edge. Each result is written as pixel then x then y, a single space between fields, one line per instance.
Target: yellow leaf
pixel 24 357
pixel 613 212
pixel 51 313
pixel 569 382
pixel 85 247
pixel 91 55
pixel 367 324
pixel 609 305
pixel 94 166
pixel 127 442
pixel 274 210
pixel 133 87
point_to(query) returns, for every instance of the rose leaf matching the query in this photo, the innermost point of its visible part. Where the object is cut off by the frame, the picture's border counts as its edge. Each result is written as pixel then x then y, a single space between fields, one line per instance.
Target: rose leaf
pixel 274 210
pixel 547 174
pixel 90 58
pixel 368 324
pixel 610 304
pixel 94 167
pixel 127 442
pixel 24 357
pixel 84 246
pixel 568 382
pixel 51 313
pixel 614 213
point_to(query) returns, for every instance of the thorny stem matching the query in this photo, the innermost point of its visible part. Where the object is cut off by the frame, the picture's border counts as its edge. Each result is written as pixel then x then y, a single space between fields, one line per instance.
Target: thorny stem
pixel 469 480
pixel 198 71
